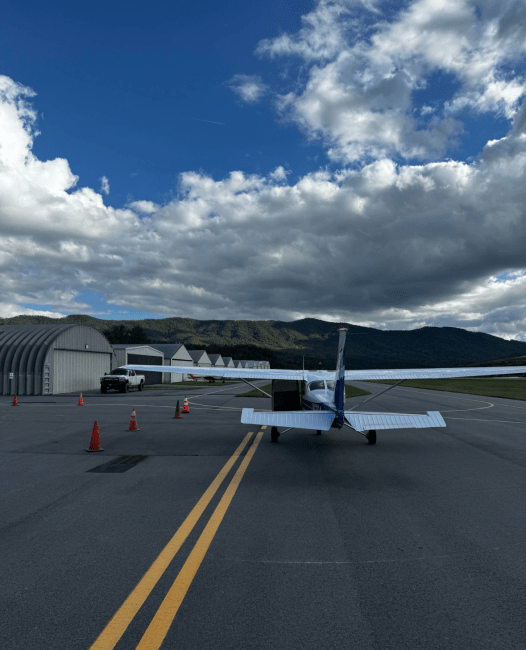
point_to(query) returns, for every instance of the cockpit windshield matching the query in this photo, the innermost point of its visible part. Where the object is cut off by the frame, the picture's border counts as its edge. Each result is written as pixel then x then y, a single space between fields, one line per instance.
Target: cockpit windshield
pixel 316 385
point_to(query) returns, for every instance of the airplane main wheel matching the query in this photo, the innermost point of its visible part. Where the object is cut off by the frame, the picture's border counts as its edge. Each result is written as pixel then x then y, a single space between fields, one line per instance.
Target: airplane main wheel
pixel 318 432
pixel 371 436
pixel 274 435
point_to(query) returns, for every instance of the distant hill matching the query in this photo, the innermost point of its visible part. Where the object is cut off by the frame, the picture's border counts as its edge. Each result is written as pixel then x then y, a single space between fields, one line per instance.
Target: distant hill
pixel 284 344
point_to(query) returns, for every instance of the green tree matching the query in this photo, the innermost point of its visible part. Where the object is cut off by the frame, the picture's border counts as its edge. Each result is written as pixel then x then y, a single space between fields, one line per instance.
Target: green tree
pixel 121 334
pixel 138 335
pixel 116 334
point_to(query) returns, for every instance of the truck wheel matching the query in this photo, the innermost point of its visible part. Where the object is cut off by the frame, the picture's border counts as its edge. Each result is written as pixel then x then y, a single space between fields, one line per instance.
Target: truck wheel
pixel 127 387
pixel 122 388
pixel 140 386
pixel 103 389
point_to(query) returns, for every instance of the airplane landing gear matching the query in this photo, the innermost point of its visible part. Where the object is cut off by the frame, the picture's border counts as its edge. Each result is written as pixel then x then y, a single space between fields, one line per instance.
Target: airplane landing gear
pixel 371 436
pixel 318 432
pixel 274 435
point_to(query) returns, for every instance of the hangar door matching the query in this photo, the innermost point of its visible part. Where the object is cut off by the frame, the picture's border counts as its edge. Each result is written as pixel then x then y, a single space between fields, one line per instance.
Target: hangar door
pixel 145 360
pixel 75 371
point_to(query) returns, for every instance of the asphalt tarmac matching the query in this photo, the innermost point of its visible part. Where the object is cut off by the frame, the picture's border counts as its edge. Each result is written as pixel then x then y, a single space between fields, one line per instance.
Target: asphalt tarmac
pixel 315 542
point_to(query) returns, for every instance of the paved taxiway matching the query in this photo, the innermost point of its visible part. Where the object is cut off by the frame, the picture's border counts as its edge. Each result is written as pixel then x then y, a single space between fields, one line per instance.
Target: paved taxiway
pixel 417 542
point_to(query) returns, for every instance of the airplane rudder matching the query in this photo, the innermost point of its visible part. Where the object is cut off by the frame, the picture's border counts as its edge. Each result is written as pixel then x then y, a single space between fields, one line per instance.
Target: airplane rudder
pixel 339 387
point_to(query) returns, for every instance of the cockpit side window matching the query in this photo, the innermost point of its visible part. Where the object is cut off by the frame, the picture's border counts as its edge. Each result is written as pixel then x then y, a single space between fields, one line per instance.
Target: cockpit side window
pixel 316 385
pixel 330 385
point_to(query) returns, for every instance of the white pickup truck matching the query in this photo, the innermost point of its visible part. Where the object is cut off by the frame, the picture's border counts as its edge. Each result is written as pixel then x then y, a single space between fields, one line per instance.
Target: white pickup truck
pixel 122 380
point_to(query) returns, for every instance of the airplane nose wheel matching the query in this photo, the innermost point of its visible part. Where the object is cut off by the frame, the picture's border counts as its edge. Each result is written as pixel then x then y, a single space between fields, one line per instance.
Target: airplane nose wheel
pixel 274 435
pixel 371 436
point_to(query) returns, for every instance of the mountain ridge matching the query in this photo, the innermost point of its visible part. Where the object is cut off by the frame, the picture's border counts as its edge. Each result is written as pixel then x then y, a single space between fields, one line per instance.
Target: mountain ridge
pixel 286 343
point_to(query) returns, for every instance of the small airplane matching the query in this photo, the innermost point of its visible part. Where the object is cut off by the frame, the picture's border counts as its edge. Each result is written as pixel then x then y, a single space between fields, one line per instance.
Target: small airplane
pixel 321 395
pixel 209 377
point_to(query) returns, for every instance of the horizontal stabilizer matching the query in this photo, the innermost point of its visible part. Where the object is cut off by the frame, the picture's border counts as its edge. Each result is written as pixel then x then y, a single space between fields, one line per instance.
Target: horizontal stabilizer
pixel 292 419
pixel 364 421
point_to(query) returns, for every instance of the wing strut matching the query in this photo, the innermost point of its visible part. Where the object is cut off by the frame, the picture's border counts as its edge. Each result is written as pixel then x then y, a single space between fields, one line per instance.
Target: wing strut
pixel 260 390
pixel 377 394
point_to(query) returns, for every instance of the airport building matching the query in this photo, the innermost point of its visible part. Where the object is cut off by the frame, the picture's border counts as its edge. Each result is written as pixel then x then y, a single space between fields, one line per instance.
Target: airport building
pixel 51 359
pixel 200 358
pixel 175 354
pixel 216 360
pixel 144 355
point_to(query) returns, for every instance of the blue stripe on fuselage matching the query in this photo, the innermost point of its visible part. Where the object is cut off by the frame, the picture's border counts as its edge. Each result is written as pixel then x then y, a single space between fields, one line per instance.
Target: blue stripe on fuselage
pixel 317 406
pixel 339 388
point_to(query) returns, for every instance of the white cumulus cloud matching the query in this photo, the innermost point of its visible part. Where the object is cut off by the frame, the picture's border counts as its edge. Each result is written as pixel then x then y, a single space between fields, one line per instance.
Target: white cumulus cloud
pixel 381 242
pixel 146 207
pixel 359 96
pixel 104 185
pixel 250 88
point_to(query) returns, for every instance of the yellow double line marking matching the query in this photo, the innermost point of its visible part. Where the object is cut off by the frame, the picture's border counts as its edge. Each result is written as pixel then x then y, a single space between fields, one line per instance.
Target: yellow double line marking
pixel 158 628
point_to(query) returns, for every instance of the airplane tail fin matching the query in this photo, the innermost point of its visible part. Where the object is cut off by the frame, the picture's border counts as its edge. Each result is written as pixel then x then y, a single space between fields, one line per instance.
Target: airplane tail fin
pixel 339 387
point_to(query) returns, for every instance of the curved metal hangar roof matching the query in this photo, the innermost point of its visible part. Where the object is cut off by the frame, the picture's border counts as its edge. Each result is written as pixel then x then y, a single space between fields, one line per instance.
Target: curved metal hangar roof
pixel 51 359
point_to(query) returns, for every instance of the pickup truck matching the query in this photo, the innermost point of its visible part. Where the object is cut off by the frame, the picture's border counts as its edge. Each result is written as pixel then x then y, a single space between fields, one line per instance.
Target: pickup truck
pixel 122 380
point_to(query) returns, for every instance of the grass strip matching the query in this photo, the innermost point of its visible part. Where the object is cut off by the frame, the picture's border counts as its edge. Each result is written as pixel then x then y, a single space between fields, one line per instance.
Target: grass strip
pixel 490 387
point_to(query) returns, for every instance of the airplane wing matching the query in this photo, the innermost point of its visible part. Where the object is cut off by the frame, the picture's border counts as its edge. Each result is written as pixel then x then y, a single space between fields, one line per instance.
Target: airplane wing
pixel 227 373
pixel 433 373
pixel 365 421
pixel 357 375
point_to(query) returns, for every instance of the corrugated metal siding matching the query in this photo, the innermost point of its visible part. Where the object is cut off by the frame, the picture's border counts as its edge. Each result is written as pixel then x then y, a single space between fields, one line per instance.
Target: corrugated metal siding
pixel 22 352
pixel 120 357
pixel 75 371
pixel 80 336
pixel 26 352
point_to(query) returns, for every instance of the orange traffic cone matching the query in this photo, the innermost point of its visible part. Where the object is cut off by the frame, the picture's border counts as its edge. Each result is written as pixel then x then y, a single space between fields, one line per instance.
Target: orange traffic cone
pixel 133 422
pixel 177 412
pixel 81 403
pixel 15 401
pixel 185 405
pixel 94 445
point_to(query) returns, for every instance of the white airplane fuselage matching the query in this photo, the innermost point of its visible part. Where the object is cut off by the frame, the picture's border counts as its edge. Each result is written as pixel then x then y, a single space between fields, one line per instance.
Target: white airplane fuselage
pixel 318 394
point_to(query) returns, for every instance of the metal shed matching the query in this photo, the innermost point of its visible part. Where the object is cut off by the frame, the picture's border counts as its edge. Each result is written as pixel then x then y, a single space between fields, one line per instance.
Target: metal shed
pixel 175 354
pixel 200 358
pixel 140 354
pixel 229 362
pixel 51 359
pixel 217 360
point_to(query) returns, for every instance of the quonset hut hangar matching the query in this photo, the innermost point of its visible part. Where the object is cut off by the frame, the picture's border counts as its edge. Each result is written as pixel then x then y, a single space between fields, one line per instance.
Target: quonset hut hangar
pixel 52 359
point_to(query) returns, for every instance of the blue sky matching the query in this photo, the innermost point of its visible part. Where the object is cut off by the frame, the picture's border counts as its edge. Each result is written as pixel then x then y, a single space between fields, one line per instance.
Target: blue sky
pixel 131 91
pixel 122 89
pixel 201 160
